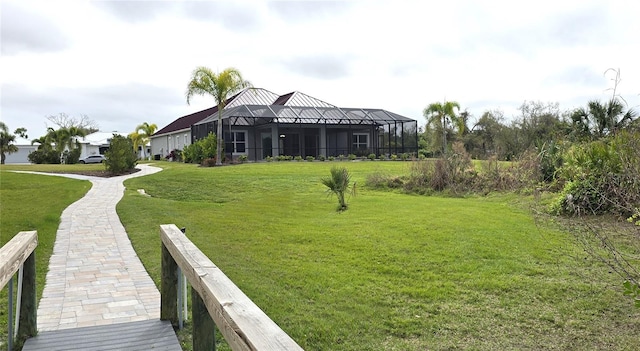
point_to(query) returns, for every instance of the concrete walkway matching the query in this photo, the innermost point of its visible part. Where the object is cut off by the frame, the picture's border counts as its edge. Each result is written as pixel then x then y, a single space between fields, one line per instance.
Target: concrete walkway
pixel 95 277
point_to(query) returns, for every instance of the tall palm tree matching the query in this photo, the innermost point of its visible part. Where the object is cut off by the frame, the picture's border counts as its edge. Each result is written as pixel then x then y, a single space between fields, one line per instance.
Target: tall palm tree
pixel 220 86
pixel 144 131
pixel 439 115
pixel 6 142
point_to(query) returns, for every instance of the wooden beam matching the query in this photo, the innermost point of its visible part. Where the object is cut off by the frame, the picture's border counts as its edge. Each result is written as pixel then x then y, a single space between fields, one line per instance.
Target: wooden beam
pixel 169 288
pixel 243 324
pixel 14 253
pixel 28 314
pixel 203 331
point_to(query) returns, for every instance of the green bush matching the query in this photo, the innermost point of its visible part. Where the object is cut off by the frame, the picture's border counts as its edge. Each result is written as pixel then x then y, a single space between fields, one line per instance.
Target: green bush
pixel 121 156
pixel 310 158
pixel 372 157
pixel 321 158
pixel 331 158
pixel 242 158
pixel 298 158
pixel 268 159
pixel 351 157
pixel 200 150
pixel 46 156
pixel 601 177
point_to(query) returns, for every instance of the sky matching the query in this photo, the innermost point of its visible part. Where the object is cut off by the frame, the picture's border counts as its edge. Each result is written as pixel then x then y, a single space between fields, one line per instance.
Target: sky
pixel 122 63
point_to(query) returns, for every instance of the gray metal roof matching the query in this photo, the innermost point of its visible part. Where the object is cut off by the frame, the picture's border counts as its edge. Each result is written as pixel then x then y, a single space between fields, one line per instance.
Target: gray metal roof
pixel 255 106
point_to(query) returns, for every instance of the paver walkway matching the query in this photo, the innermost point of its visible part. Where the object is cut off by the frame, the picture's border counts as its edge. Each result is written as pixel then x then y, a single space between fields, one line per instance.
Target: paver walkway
pixel 95 277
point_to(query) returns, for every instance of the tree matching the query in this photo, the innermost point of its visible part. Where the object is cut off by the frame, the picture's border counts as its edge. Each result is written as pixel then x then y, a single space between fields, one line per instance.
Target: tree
pixel 6 142
pixel 64 138
pixel 439 115
pixel 599 120
pixel 142 136
pixel 120 157
pixel 220 86
pixel 62 120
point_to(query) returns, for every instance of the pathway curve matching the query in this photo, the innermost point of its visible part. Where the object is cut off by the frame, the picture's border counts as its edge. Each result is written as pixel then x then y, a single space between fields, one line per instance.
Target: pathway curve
pixel 95 276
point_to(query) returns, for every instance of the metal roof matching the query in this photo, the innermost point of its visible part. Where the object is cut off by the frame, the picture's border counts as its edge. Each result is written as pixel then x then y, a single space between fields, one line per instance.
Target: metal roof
pixel 256 106
pixel 247 115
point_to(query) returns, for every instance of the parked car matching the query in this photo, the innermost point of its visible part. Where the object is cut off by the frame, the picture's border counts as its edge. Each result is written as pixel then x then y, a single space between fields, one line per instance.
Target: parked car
pixel 93 159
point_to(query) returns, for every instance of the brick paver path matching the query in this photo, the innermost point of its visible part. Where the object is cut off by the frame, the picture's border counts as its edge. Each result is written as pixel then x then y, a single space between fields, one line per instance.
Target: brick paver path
pixel 95 276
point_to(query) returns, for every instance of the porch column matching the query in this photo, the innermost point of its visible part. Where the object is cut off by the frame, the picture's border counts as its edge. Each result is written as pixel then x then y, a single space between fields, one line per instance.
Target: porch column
pixel 275 139
pixel 323 141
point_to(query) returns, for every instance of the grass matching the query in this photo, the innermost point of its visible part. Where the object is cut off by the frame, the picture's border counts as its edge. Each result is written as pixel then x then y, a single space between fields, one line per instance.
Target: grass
pixel 395 271
pixel 33 202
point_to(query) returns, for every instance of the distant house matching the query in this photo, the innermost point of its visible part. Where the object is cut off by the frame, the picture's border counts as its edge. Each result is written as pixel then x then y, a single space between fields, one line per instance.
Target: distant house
pixel 24 149
pixel 259 123
pixel 96 143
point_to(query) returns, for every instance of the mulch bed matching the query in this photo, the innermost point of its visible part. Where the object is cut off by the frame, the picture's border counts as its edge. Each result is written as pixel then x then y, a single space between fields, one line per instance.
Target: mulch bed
pixel 103 174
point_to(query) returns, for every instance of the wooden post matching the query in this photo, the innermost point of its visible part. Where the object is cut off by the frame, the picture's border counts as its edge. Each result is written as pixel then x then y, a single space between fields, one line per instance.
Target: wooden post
pixel 203 332
pixel 169 288
pixel 28 326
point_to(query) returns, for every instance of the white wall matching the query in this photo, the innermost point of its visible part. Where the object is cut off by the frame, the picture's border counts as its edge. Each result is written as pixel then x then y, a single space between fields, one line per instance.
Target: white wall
pixel 163 144
pixel 21 155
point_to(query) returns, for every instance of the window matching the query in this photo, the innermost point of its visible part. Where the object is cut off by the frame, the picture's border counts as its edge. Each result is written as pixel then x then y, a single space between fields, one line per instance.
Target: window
pixel 236 142
pixel 185 140
pixel 360 141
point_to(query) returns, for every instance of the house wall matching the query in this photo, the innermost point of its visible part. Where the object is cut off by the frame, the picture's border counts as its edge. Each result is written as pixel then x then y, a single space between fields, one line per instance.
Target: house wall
pixel 21 155
pixel 163 144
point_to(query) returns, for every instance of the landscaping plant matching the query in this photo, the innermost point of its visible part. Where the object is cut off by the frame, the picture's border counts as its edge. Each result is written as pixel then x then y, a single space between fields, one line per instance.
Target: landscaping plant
pixel 339 184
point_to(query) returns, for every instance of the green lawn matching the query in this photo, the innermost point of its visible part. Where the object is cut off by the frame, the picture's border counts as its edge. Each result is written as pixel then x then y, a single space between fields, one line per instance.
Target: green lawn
pixel 395 271
pixel 33 202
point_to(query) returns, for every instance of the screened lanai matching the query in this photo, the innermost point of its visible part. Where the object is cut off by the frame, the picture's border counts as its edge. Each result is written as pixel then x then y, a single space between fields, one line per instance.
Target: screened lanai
pixel 296 124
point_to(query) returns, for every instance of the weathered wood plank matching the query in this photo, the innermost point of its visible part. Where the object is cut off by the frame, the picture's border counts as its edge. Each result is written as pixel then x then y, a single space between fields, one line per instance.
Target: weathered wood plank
pixel 133 336
pixel 169 288
pixel 14 253
pixel 204 330
pixel 244 325
pixel 28 313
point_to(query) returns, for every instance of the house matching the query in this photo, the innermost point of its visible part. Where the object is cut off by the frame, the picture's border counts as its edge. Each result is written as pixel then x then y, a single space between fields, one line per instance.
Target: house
pixel 96 143
pixel 24 149
pixel 259 123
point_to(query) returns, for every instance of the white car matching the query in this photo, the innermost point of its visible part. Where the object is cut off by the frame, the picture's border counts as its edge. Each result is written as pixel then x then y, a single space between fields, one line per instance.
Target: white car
pixel 93 159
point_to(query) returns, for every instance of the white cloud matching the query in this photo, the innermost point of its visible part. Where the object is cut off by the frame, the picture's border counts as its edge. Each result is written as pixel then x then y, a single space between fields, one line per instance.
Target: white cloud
pixel 123 63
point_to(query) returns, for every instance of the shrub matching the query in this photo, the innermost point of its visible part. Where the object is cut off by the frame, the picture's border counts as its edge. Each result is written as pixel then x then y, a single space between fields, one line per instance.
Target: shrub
pixel 268 159
pixel 321 158
pixel 351 157
pixel 121 156
pixel 372 157
pixel 201 149
pixel 242 158
pixel 341 157
pixel 393 157
pixel 73 156
pixel 404 156
pixel 46 156
pixel 382 157
pixel 602 177
pixel 331 158
pixel 339 184
pixel 310 158
pixel 298 158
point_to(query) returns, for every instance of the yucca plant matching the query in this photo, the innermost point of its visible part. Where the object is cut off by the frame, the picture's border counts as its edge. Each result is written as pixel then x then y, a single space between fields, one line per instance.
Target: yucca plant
pixel 339 184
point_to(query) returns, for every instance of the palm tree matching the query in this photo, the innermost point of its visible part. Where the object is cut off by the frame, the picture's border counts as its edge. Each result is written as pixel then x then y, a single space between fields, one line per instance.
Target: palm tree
pixel 339 184
pixel 220 86
pixel 599 120
pixel 6 142
pixel 144 132
pixel 137 140
pixel 439 115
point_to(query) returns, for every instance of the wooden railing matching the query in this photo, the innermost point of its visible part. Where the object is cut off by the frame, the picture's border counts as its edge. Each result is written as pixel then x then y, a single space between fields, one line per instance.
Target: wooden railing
pixel 17 253
pixel 215 298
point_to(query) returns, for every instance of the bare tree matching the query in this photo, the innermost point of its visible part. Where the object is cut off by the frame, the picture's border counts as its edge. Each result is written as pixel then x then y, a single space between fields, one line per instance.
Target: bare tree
pixel 83 122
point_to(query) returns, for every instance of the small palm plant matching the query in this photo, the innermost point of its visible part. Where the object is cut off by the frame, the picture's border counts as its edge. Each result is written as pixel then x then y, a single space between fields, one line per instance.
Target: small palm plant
pixel 339 184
